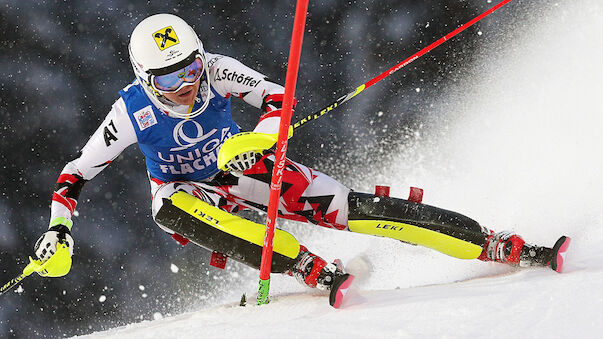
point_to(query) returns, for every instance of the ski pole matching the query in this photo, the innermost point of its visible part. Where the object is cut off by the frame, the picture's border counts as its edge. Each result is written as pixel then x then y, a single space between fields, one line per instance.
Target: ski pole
pixel 243 142
pixel 57 266
pixel 13 282
pixel 27 271
pixel 396 68
pixel 246 141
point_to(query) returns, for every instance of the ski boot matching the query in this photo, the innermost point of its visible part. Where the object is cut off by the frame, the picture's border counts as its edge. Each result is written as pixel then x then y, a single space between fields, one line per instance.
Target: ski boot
pixel 311 270
pixel 506 247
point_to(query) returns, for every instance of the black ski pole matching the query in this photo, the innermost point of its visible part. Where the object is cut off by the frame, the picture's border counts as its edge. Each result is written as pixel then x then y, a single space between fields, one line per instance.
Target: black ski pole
pixel 29 269
pixel 58 265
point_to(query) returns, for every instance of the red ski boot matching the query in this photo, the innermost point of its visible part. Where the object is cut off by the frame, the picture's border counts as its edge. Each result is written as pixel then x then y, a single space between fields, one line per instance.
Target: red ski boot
pixel 504 247
pixel 313 271
pixel 509 248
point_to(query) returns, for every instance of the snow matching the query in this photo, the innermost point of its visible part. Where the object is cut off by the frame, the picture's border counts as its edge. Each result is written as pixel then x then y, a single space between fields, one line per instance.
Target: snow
pixel 174 268
pixel 531 303
pixel 522 152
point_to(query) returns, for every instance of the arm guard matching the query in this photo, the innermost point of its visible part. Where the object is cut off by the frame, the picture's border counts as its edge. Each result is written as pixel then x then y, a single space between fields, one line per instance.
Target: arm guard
pixel 66 192
pixel 272 107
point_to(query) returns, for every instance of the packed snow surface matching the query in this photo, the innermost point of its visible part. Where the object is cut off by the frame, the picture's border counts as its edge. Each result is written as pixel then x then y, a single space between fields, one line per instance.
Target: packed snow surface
pixel 520 150
pixel 535 304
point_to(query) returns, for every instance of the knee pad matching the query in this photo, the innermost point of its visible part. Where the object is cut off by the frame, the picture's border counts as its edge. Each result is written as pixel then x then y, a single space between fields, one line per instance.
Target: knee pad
pixel 165 191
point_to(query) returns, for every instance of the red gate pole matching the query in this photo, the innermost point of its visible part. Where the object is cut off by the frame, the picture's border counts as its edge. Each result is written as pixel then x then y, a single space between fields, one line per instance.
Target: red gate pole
pixel 281 149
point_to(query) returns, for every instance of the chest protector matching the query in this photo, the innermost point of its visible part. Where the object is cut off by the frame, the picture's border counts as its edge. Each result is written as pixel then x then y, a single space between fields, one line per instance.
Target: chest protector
pixel 179 149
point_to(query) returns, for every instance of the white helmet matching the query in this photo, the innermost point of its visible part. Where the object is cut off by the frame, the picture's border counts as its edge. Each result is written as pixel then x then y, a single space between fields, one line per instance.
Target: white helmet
pixel 162 44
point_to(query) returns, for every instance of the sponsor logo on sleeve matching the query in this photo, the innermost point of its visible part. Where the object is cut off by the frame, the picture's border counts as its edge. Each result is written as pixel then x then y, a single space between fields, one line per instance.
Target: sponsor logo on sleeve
pixel 226 74
pixel 109 133
pixel 145 118
pixel 213 60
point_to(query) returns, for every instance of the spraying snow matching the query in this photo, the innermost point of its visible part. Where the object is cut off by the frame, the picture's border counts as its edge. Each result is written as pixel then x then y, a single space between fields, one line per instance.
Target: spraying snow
pixel 519 150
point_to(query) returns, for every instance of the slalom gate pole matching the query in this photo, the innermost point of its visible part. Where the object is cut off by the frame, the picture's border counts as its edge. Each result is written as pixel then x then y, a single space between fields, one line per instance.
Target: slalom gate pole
pixel 281 149
pixel 396 68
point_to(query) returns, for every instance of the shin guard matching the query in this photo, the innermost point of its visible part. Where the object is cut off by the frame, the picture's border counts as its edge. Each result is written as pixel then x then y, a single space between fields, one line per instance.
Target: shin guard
pixel 217 230
pixel 445 231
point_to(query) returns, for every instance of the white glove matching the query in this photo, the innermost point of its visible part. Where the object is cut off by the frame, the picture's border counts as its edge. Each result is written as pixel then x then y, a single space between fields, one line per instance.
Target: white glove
pixel 47 243
pixel 241 162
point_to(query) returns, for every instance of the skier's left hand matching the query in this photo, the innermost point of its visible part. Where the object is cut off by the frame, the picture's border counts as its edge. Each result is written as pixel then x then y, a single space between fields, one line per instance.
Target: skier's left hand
pixel 242 162
pixel 241 151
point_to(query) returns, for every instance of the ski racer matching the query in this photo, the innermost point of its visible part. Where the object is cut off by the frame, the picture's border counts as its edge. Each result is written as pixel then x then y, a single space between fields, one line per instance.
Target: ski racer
pixel 178 111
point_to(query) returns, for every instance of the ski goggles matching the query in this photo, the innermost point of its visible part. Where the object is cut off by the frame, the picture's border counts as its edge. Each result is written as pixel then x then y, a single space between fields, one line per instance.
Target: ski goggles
pixel 174 81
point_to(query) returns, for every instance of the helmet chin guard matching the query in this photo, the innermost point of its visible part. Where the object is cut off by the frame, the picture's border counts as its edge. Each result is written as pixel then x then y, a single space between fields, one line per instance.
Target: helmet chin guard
pixel 157 45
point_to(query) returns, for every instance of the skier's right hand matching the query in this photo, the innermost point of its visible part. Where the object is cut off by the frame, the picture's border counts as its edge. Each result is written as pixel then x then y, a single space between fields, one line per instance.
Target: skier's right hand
pixel 59 232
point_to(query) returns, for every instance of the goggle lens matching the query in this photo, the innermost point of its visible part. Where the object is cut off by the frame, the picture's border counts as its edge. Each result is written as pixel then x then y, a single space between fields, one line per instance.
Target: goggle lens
pixel 173 81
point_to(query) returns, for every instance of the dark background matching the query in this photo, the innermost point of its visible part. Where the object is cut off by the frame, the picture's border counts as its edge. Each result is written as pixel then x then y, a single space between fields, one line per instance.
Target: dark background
pixel 61 66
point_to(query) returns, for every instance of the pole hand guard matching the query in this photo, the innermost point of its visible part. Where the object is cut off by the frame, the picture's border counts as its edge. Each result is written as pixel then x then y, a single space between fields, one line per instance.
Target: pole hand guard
pixel 245 142
pixel 57 266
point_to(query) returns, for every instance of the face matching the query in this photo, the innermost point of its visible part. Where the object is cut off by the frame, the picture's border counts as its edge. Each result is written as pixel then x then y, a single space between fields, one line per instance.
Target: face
pixel 186 95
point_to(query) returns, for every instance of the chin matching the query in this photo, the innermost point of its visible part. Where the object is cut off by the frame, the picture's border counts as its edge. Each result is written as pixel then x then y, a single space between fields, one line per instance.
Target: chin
pixel 190 101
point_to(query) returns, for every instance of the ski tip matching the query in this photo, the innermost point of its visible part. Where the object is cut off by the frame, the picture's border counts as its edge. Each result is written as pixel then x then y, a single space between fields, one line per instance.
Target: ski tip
pixel 559 252
pixel 340 289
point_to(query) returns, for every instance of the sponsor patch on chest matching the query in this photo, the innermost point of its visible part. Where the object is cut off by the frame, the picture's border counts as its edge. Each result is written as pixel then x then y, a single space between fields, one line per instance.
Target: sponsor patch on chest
pixel 145 118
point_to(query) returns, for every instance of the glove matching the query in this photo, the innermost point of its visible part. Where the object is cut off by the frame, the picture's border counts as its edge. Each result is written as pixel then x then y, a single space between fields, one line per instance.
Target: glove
pixel 241 151
pixel 59 231
pixel 241 162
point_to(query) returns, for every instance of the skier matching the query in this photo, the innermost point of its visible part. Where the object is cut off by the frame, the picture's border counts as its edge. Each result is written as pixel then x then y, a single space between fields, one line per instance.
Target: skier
pixel 178 111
